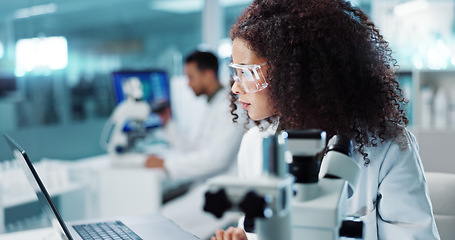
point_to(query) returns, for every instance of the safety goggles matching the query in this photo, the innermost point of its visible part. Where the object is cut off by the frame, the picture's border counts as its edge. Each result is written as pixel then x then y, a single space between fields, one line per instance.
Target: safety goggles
pixel 250 77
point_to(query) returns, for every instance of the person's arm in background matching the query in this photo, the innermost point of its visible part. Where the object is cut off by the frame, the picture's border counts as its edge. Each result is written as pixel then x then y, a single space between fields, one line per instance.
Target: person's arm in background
pixel 404 208
pixel 173 136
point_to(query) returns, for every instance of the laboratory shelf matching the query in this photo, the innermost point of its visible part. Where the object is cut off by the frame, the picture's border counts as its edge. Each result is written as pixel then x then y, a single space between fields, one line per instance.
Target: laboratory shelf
pixel 12 200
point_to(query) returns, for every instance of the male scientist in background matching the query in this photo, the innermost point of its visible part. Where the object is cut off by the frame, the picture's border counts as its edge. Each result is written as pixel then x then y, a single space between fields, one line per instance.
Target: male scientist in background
pixel 215 146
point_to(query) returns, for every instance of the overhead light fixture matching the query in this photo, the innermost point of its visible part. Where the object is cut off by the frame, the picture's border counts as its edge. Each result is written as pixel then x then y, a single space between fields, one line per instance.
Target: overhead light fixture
pixel 410 7
pixel 35 10
pixel 180 7
pixel 189 6
pixel 228 3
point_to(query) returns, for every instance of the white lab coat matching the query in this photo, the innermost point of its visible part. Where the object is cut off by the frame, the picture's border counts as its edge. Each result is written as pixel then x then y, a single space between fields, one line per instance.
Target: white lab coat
pixel 214 148
pixel 403 210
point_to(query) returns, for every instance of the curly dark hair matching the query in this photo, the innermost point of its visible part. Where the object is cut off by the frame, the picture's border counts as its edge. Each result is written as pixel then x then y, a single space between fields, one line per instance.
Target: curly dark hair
pixel 329 68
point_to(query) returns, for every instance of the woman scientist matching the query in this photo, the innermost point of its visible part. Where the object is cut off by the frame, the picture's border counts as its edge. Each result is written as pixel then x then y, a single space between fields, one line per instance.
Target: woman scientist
pixel 301 64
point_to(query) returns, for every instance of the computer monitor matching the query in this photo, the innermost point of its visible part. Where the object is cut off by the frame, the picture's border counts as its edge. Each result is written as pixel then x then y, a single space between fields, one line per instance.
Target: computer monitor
pixel 155 85
pixel 7 84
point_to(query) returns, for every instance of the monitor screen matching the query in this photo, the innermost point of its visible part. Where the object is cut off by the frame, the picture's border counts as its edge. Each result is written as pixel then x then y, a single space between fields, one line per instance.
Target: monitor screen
pixel 7 84
pixel 155 85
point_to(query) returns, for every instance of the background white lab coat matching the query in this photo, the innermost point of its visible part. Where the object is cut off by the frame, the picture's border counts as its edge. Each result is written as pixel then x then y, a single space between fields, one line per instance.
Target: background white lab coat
pixel 214 147
pixel 391 198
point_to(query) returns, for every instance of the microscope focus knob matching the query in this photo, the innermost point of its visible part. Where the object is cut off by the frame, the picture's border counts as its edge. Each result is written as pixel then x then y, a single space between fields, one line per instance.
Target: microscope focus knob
pixel 119 149
pixel 254 205
pixel 217 203
pixel 352 228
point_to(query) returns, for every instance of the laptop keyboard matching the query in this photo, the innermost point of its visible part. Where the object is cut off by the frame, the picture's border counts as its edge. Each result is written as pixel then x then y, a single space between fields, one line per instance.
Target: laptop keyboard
pixel 105 230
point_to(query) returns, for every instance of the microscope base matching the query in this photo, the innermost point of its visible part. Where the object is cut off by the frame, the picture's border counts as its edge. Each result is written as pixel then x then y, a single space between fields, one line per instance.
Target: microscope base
pixel 320 217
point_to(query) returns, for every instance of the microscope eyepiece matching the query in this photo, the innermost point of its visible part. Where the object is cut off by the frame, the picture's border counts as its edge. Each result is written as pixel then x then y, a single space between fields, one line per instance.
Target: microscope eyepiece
pixel 306 134
pixel 340 144
pixel 305 147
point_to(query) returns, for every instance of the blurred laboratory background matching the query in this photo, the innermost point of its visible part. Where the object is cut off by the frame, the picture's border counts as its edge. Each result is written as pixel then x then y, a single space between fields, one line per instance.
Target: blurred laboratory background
pixel 57 59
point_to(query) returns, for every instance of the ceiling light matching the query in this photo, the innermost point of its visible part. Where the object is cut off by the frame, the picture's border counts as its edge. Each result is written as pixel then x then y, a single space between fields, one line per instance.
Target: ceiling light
pixel 189 6
pixel 227 3
pixel 180 7
pixel 410 7
pixel 35 10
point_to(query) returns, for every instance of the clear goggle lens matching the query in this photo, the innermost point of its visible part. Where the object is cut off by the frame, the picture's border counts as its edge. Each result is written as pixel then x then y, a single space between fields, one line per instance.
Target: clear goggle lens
pixel 250 77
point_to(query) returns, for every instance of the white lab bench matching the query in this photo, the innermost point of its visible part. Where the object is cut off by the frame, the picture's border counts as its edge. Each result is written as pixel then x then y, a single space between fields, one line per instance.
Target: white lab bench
pixel 88 188
pixel 91 188
pixel 118 191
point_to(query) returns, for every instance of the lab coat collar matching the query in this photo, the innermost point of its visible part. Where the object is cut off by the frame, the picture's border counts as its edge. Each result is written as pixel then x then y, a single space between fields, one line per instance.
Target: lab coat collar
pixel 211 97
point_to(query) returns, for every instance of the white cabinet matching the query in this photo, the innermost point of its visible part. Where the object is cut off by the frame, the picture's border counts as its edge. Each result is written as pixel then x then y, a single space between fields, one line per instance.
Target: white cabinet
pixel 432 113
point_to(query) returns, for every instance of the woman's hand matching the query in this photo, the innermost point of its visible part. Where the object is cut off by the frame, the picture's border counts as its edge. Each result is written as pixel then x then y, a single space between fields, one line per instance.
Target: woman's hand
pixel 230 234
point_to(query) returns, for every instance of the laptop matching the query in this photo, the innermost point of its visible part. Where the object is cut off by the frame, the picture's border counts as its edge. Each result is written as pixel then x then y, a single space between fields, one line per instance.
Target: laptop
pixel 147 226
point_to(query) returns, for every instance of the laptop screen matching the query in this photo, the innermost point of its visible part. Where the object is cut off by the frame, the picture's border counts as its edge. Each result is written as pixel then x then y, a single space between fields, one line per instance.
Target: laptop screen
pixel 38 186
